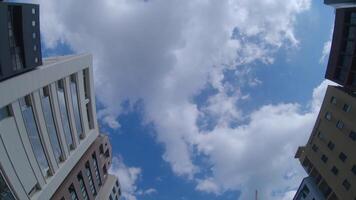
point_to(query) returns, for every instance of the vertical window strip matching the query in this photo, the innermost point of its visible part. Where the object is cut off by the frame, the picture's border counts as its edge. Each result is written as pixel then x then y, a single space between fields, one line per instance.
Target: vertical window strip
pixel 33 134
pixel 51 127
pixel 90 178
pixel 82 187
pixel 64 114
pixel 75 103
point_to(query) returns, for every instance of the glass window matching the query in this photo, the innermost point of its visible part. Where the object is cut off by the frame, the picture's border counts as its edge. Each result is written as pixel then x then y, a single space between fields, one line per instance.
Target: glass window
pixel 51 128
pixel 346 184
pixel 75 102
pixel 82 187
pixel 117 183
pixel 90 178
pixel 96 168
pixel 328 116
pixel 5 192
pixel 73 194
pixel 334 170
pixel 64 114
pixel 33 134
pixel 342 157
pixel 333 100
pixel 351 32
pixel 33 23
pixel 4 112
pixel 345 62
pixel 315 148
pixel 340 124
pixel 349 48
pixel 352 135
pixel 114 190
pixel 331 145
pixel 346 108
pixel 353 169
pixel 110 197
pixel 33 11
pixel 324 158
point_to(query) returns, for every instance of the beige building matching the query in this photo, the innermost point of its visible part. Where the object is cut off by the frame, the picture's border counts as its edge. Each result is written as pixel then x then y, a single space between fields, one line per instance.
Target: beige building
pixel 329 156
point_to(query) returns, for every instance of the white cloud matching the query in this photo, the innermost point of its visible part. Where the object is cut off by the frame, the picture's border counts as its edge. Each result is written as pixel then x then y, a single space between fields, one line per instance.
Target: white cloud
pixel 207 185
pixel 128 177
pixel 165 53
pixel 149 191
pixel 326 48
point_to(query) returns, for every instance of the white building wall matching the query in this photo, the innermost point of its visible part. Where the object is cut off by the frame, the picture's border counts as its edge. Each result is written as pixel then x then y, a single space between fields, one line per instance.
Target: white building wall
pixel 17 159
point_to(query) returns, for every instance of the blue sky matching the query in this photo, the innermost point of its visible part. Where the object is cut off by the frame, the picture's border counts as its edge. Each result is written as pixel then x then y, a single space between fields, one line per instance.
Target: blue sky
pixel 189 111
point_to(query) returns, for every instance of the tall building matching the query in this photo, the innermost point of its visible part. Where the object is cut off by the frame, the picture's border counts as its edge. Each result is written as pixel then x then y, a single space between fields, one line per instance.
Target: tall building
pixel 341 3
pixel 308 190
pixel 329 156
pixel 50 146
pixel 20 48
pixel 342 65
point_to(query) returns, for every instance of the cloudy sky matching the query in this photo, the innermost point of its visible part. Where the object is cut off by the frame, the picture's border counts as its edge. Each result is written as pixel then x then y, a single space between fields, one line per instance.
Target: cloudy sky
pixel 202 99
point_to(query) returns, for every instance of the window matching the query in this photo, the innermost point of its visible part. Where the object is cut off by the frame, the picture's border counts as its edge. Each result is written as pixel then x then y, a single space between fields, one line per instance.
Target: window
pixel 114 190
pixel 101 149
pixel 349 48
pixel 340 124
pixel 33 134
pixel 105 170
pixel 353 169
pixel 36 60
pixel 82 187
pixel 64 113
pixel 34 35
pixel 352 135
pixel 73 194
pixel 110 197
pixel 33 23
pixel 346 184
pixel 51 128
pixel 346 108
pixel 96 168
pixel 107 153
pixel 5 112
pixel 5 192
pixel 351 32
pixel 87 95
pixel 117 183
pixel 315 148
pixel 342 157
pixel 34 47
pixel 33 11
pixel 333 100
pixel 331 145
pixel 90 178
pixel 324 158
pixel 328 116
pixel 75 103
pixel 334 170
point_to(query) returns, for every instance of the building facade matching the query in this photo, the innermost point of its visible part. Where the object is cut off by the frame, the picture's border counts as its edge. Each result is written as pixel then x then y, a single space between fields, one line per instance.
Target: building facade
pixel 47 124
pixel 342 65
pixel 308 190
pixel 20 48
pixel 341 3
pixel 329 156
pixel 89 179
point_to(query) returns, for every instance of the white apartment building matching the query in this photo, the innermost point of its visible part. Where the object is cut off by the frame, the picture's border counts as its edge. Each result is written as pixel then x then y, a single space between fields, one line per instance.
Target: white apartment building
pixel 47 122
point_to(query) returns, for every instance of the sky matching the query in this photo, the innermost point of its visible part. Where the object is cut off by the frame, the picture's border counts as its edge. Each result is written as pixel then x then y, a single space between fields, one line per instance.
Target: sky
pixel 202 99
